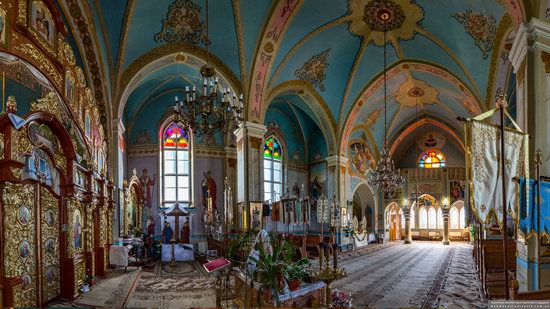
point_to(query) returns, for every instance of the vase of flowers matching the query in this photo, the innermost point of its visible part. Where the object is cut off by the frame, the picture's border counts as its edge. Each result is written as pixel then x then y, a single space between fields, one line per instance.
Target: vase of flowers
pixel 340 299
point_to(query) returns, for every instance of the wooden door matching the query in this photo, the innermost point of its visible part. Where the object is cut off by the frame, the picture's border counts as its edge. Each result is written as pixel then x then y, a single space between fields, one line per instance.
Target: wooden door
pixel 48 249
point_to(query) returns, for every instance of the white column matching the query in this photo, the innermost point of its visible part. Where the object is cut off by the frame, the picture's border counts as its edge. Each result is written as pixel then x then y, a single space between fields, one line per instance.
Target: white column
pixel 530 56
pixel 249 164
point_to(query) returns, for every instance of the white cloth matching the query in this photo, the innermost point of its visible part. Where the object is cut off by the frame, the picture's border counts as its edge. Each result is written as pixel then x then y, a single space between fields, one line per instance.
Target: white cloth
pixel 182 252
pixel 118 255
pixel 486 171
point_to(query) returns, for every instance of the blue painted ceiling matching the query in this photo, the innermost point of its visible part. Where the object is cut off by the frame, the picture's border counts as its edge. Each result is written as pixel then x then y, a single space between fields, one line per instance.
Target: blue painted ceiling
pixel 353 62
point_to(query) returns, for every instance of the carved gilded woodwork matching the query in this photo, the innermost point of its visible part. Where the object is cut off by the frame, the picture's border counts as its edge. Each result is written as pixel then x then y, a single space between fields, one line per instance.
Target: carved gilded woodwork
pixel 19 240
pixel 20 143
pixel 79 274
pixel 103 226
pixel 22 13
pixel 16 172
pixel 49 103
pixel 50 245
pixel 43 62
pixel 89 228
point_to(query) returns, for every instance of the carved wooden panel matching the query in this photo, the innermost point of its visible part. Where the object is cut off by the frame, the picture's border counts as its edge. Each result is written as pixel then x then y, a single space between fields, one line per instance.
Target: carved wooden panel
pixel 50 246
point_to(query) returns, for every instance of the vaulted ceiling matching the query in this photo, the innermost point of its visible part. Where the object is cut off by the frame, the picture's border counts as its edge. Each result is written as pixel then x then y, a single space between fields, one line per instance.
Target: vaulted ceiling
pixel 442 56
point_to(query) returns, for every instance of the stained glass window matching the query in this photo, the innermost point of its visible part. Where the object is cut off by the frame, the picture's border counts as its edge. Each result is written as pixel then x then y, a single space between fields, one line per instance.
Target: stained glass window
pixel 175 165
pixel 431 159
pixel 273 169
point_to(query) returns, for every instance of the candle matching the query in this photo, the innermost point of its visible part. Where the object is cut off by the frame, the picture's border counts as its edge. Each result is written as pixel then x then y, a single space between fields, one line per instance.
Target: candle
pixel 335 255
pixel 321 248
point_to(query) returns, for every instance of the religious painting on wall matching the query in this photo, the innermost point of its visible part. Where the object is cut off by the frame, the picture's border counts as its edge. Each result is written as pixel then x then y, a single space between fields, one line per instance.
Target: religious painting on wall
pixel 256 215
pixel 317 181
pixel 26 281
pixel 87 124
pixel 4 24
pixel 50 245
pixel 361 158
pixel 23 215
pixel 41 135
pixel 49 217
pixel 42 21
pixel 24 249
pixel 69 87
pixel 77 230
pixel 457 190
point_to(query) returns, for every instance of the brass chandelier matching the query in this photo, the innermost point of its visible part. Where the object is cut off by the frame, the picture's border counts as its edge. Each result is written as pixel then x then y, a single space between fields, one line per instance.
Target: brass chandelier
pixel 385 177
pixel 211 110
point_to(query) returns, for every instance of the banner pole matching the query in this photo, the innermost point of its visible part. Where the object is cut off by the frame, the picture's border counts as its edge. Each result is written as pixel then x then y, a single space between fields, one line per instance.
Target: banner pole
pixel 501 103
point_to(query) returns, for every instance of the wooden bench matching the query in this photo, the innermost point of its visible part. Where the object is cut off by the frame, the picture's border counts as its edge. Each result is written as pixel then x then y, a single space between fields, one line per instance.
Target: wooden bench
pixel 529 295
pixel 435 235
pixel 300 243
pixel 312 244
pixel 415 235
pixel 424 235
pixel 456 235
pixel 493 269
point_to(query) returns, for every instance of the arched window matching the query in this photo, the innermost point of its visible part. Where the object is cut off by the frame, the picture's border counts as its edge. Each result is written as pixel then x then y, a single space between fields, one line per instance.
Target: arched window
pixel 175 165
pixel 273 169
pixel 431 159
pixel 462 218
pixel 432 222
pixel 439 218
pixel 412 219
pixel 454 217
pixel 423 218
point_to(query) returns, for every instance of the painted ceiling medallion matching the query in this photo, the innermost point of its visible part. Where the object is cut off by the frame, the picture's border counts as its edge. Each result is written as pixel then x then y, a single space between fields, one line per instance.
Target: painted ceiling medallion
pixel 369 17
pixel 314 70
pixel 481 27
pixel 183 24
pixel 412 90
pixel 370 119
pixel 383 15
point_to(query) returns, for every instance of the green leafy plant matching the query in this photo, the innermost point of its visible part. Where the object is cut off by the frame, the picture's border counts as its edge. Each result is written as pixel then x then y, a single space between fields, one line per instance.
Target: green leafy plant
pixel 270 269
pixel 298 270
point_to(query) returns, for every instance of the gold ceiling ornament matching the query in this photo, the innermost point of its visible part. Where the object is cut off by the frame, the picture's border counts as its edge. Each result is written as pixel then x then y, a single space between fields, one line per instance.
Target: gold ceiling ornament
pixel 414 89
pixel 369 17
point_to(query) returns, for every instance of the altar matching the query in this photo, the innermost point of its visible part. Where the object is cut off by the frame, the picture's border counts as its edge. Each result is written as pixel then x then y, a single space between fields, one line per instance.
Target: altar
pixel 180 252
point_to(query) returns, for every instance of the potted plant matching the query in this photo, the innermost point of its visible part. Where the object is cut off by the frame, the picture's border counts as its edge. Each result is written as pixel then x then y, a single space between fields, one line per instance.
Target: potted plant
pixel 295 273
pixel 269 270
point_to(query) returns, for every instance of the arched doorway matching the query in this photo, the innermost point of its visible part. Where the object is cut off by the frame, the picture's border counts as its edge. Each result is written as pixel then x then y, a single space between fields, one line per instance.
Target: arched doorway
pixel 393 220
pixel 363 206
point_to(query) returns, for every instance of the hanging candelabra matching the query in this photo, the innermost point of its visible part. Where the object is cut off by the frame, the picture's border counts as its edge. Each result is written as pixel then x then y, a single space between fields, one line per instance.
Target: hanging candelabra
pixel 385 177
pixel 212 109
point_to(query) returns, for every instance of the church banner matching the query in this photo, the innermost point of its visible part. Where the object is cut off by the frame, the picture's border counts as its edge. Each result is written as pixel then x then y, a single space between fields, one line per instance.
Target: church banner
pixel 528 207
pixel 484 151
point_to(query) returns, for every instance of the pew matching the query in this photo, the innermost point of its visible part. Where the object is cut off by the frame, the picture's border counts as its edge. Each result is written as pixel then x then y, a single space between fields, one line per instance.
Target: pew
pixel 300 243
pixel 312 244
pixel 529 295
pixel 492 273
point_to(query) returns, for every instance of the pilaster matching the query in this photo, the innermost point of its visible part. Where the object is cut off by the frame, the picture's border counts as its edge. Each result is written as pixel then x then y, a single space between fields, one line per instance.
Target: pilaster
pixel 530 57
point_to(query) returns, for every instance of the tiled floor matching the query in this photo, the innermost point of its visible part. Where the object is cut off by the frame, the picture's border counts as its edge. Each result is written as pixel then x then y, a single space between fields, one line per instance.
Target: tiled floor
pixel 423 274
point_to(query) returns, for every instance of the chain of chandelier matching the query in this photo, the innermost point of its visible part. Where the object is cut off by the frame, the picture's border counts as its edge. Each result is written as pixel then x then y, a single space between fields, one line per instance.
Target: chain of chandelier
pixel 211 110
pixel 385 177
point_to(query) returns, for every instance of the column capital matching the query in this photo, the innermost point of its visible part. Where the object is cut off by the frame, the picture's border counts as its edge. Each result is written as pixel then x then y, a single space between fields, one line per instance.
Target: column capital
pixel 532 35
pixel 231 152
pixel 253 130
pixel 336 160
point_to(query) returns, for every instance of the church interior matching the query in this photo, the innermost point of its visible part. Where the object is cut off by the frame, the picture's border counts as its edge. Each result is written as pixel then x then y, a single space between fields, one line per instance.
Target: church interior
pixel 257 153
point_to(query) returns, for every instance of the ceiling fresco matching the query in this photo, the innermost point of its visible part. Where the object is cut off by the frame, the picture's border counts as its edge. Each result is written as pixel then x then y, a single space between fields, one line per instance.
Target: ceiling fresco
pixel 443 55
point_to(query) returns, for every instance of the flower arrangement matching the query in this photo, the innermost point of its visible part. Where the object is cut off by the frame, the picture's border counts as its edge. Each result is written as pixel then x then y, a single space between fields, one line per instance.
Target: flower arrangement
pixel 340 299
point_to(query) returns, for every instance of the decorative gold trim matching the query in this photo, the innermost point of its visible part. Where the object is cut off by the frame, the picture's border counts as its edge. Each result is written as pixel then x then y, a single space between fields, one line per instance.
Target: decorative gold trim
pixel 22 13
pixel 122 46
pixel 43 62
pixel 503 26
